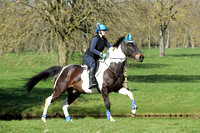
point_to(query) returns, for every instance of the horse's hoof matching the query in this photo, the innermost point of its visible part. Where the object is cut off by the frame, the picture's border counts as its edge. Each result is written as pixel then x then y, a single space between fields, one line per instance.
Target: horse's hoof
pixel 69 121
pixel 133 113
pixel 111 119
pixel 44 119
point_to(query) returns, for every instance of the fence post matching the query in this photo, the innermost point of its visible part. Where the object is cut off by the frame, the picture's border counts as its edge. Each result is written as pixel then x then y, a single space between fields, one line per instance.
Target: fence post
pixel 125 75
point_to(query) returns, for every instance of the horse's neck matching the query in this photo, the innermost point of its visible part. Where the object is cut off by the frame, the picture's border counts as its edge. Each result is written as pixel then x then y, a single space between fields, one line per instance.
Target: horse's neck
pixel 115 61
pixel 116 53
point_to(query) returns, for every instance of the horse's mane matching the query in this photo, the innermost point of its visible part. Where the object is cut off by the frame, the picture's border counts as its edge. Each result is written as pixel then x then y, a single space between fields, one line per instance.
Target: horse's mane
pixel 118 42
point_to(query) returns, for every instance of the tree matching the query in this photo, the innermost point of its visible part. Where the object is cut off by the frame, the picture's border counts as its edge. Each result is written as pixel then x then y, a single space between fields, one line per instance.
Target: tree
pixel 68 25
pixel 191 23
pixel 164 12
pixel 56 23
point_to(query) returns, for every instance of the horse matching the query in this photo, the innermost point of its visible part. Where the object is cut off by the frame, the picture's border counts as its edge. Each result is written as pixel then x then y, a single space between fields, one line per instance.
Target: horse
pixel 74 79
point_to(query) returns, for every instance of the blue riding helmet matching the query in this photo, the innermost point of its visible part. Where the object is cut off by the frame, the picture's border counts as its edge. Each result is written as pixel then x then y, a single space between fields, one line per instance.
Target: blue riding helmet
pixel 100 27
pixel 128 39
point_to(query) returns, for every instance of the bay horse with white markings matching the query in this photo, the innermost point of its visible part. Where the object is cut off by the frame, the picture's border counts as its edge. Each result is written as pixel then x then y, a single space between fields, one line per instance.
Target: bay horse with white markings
pixel 74 78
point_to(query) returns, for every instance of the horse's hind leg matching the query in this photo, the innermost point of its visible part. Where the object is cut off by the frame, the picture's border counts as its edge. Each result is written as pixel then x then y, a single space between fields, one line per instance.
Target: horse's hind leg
pixel 72 95
pixel 50 100
pixel 46 105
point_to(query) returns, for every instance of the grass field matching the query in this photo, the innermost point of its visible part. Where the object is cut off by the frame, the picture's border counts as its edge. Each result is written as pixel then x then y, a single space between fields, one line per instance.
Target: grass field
pixel 161 86
pixel 89 124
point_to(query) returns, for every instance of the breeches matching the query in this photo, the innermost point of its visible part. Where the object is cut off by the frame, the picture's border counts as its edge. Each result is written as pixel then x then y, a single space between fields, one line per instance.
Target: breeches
pixel 89 61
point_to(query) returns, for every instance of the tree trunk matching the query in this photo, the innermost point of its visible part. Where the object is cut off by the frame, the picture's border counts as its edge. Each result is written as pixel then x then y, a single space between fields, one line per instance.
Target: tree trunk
pixel 192 41
pixel 167 45
pixel 62 53
pixel 149 44
pixel 162 42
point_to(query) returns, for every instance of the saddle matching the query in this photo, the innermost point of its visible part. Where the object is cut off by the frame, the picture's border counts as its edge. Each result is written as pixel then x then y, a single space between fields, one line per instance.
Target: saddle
pixel 95 72
pixel 97 65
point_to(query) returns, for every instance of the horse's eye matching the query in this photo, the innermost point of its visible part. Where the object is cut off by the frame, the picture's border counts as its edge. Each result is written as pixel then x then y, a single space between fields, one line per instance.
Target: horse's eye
pixel 130 44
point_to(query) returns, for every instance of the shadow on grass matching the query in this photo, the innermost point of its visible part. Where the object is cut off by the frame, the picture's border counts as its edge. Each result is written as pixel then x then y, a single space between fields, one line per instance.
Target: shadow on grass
pixel 146 65
pixel 164 78
pixel 14 101
pixel 184 55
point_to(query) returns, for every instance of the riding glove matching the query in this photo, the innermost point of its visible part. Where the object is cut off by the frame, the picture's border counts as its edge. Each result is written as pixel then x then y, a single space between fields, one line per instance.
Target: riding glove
pixel 103 55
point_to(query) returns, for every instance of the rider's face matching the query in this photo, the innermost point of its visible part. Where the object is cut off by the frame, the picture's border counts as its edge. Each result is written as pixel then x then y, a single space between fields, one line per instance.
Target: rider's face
pixel 103 32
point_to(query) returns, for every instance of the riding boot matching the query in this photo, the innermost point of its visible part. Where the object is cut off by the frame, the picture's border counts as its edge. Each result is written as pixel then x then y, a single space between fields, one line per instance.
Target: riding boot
pixel 92 79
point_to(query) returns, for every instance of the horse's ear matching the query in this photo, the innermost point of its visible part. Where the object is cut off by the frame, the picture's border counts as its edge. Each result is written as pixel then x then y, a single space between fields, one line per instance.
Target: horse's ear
pixel 121 39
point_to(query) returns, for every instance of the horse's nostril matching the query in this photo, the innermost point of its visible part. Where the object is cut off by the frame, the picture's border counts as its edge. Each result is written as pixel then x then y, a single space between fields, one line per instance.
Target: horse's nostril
pixel 141 57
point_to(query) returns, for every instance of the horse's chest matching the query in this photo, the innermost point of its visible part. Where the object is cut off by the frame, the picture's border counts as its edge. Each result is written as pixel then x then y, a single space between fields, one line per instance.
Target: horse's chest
pixel 118 84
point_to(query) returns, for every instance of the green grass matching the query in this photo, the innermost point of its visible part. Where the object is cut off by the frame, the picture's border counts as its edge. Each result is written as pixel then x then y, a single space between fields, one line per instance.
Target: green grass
pixel 100 125
pixel 168 85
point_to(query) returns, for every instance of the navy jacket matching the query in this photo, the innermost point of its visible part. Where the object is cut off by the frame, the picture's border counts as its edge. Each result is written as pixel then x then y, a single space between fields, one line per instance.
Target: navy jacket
pixel 97 46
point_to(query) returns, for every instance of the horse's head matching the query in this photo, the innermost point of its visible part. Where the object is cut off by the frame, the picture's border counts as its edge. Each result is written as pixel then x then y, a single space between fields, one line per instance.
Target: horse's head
pixel 130 49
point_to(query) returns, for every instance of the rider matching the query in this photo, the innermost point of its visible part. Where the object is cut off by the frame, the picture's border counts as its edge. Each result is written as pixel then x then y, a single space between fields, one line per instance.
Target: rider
pixel 94 52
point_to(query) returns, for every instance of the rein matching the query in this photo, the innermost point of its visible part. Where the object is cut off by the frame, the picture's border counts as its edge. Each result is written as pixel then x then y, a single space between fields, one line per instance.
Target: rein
pixel 116 74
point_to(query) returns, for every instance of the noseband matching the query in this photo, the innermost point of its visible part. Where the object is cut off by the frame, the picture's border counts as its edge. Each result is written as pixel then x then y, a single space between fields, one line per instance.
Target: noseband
pixel 126 43
pixel 137 53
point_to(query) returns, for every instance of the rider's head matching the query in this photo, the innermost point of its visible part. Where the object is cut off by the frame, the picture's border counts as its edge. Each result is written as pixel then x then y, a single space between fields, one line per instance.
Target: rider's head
pixel 101 29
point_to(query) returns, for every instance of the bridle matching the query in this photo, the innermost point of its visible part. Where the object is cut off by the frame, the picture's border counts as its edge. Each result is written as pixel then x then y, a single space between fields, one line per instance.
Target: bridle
pixel 136 52
pixel 125 59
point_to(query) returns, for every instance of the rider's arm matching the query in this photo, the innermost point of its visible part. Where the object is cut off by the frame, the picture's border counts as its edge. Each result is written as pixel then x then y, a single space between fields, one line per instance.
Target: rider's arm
pixel 93 45
pixel 108 44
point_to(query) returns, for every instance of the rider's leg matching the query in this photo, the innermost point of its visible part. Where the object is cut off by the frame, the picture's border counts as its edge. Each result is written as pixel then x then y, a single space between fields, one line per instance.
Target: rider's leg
pixel 90 62
pixel 92 78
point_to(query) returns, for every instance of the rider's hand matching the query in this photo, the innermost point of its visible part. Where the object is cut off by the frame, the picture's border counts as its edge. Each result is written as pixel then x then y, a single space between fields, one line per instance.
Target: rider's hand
pixel 103 55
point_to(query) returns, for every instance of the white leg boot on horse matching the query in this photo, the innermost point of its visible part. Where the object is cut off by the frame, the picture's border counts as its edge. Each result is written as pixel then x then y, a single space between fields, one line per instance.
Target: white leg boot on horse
pixel 124 91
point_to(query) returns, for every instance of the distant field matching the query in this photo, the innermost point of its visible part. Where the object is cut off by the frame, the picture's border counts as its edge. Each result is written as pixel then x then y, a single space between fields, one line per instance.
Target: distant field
pixel 92 125
pixel 161 86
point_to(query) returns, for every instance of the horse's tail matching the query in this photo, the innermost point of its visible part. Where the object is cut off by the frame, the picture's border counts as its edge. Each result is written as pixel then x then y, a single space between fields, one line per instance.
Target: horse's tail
pixel 50 72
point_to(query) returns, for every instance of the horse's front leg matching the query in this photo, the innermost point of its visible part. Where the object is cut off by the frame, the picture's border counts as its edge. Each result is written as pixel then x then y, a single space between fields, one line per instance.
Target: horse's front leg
pixel 105 95
pixel 124 91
